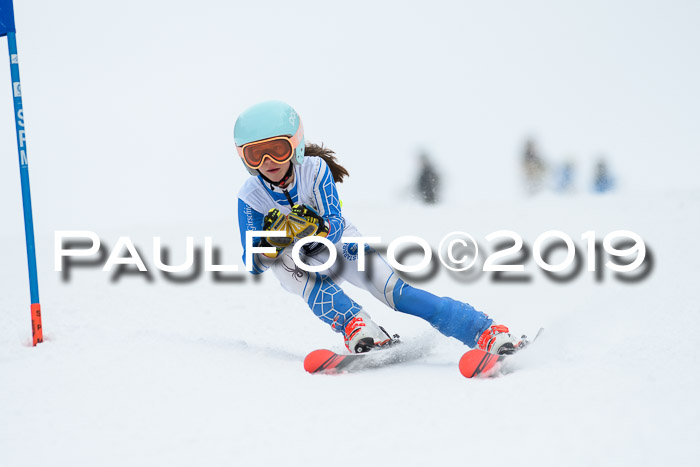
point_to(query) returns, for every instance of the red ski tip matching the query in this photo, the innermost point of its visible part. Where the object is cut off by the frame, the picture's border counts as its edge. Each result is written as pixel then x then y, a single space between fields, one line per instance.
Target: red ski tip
pixel 316 360
pixel 476 362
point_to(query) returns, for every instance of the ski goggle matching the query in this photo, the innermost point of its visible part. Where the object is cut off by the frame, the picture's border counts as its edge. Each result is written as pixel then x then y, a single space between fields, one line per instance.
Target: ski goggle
pixel 279 149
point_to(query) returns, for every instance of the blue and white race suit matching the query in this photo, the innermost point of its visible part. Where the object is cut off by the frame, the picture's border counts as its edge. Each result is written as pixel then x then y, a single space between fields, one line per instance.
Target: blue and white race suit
pixel 313 185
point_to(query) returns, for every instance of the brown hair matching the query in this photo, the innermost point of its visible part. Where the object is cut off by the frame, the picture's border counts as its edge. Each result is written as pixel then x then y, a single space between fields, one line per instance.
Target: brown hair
pixel 328 155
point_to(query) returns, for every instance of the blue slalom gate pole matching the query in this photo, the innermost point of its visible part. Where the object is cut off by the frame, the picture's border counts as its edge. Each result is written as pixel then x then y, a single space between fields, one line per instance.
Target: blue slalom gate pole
pixel 7 27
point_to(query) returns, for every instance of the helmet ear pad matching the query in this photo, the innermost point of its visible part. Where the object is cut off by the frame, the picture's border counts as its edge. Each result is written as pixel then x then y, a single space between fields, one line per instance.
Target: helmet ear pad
pixel 298 158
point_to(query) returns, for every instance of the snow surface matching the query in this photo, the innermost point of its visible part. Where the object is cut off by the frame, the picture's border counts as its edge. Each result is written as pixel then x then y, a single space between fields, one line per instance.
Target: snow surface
pixel 129 134
pixel 134 373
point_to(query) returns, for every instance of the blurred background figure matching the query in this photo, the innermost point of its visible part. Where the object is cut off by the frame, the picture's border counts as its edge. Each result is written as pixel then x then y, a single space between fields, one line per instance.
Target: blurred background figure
pixel 534 168
pixel 603 181
pixel 564 177
pixel 428 180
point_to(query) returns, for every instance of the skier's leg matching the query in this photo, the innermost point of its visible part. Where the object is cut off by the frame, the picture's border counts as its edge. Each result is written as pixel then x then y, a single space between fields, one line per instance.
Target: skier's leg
pixel 320 292
pixel 329 302
pixel 451 317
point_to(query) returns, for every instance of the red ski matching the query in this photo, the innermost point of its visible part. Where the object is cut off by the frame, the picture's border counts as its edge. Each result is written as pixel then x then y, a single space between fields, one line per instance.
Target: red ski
pixel 476 362
pixel 479 362
pixel 329 362
pixel 473 363
pixel 326 361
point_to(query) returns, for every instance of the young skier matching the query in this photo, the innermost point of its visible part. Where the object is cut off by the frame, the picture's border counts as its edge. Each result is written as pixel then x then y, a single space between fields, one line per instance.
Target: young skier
pixel 293 190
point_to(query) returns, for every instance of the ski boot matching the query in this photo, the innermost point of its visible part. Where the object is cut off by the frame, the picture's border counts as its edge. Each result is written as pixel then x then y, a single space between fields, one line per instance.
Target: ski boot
pixel 362 334
pixel 498 340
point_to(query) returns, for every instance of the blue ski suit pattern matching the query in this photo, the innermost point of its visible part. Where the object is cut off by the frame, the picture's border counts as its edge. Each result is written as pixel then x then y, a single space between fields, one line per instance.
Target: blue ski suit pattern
pixel 314 185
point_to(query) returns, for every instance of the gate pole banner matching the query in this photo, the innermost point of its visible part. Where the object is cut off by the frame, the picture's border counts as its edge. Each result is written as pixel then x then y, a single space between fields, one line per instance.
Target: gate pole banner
pixel 7 17
pixel 7 28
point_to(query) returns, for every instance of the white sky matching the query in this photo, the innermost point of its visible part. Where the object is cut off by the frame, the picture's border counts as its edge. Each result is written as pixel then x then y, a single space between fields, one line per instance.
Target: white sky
pixel 130 105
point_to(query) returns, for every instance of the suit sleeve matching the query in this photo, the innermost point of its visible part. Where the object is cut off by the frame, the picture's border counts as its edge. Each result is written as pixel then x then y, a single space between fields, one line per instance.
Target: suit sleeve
pixel 250 219
pixel 328 202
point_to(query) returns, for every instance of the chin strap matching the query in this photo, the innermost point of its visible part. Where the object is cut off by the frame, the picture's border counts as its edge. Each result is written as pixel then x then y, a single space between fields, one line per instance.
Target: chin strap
pixel 282 181
pixel 289 198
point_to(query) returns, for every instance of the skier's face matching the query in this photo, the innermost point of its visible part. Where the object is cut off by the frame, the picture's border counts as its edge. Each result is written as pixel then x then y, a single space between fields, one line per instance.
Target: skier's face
pixel 274 171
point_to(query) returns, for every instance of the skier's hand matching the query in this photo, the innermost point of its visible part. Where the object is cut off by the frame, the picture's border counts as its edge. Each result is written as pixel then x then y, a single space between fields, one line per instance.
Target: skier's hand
pixel 275 221
pixel 304 221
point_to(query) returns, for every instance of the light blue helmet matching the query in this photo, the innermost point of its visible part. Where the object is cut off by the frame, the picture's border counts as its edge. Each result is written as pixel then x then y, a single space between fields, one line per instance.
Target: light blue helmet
pixel 266 120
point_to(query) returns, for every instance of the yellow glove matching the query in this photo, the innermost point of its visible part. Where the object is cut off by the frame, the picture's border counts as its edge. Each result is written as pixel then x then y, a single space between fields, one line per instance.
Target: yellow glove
pixel 275 220
pixel 304 221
